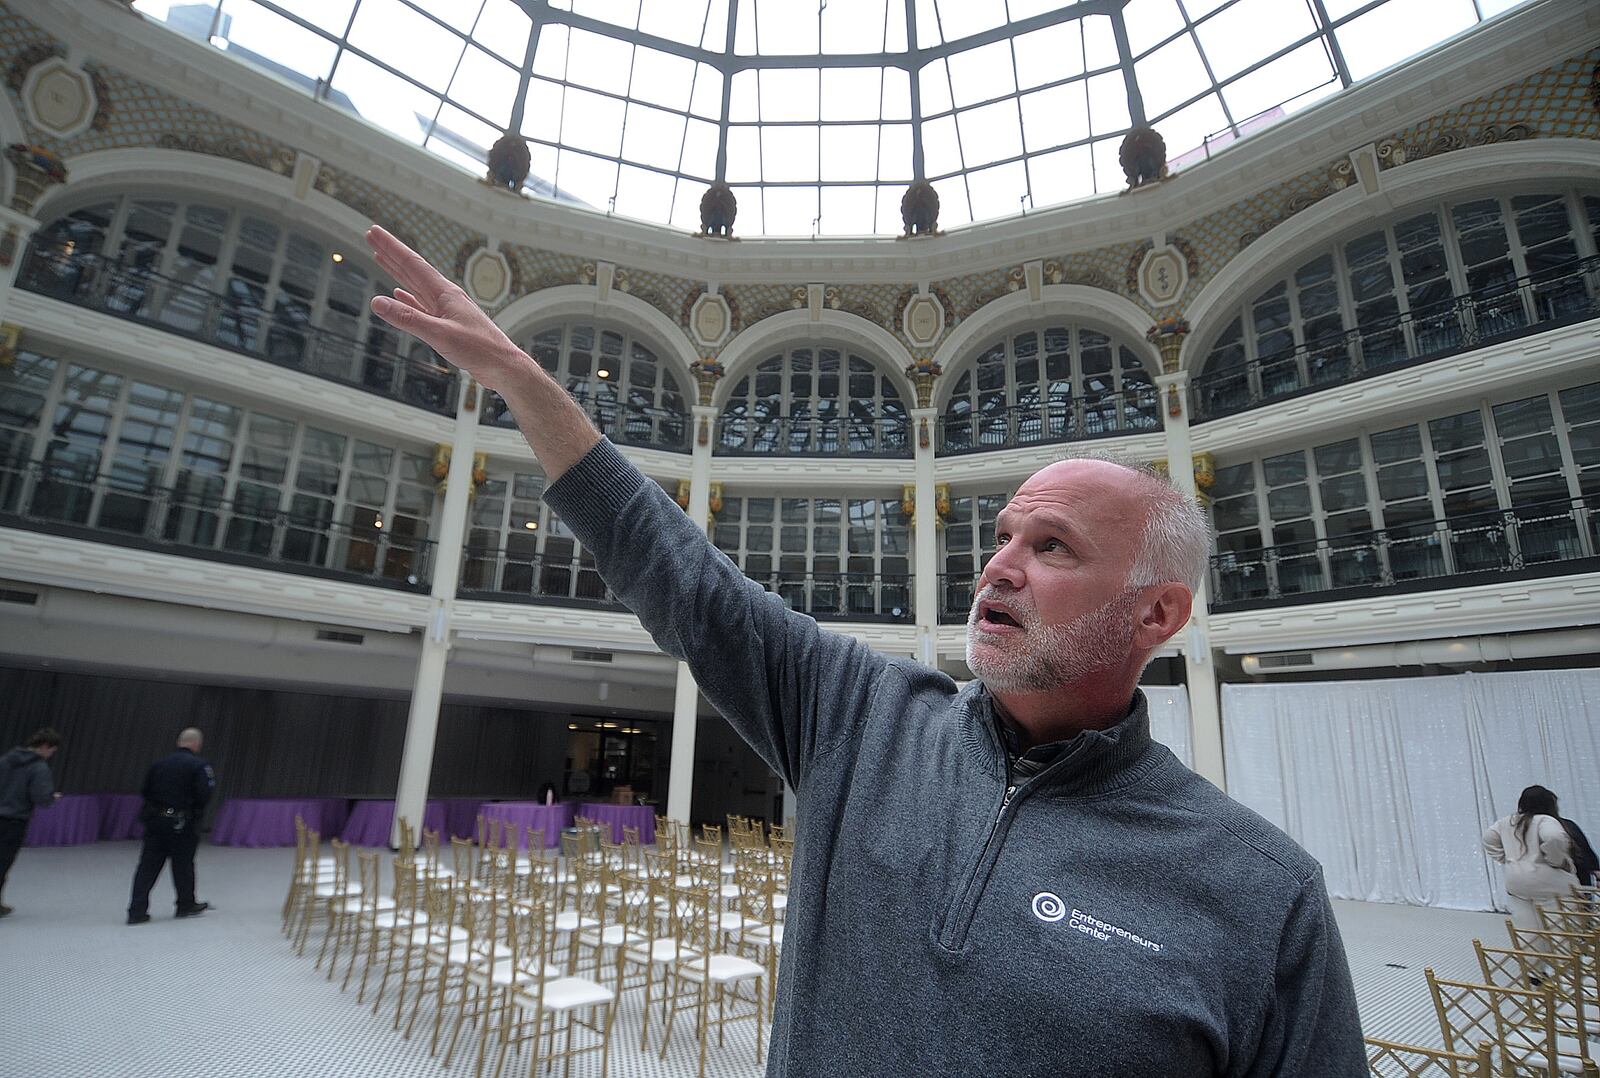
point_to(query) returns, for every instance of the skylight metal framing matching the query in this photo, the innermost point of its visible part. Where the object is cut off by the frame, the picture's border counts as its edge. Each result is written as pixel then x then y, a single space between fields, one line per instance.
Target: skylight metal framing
pixel 1091 146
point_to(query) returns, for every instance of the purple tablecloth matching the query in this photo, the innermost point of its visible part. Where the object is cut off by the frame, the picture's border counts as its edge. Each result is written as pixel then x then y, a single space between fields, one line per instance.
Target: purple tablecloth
pixel 258 822
pixel 553 819
pixel 461 815
pixel 371 822
pixel 119 817
pixel 71 821
pixel 618 816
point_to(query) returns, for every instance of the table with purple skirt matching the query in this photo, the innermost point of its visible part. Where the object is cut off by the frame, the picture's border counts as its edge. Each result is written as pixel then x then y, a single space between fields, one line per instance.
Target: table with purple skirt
pixel 371 822
pixel 269 821
pixel 72 820
pixel 552 819
pixel 616 817
pixel 119 817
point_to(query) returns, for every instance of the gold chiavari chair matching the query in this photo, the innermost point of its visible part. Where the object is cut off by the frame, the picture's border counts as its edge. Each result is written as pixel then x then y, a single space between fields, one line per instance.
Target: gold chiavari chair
pixel 447 941
pixel 490 835
pixel 1520 1023
pixel 404 934
pixel 1391 1059
pixel 541 994
pixel 706 975
pixel 455 960
pixel 1563 974
pixel 372 914
pixel 761 932
pixel 651 944
pixel 310 868
pixel 438 929
pixel 340 899
pixel 463 859
pixel 1565 920
pixel 1584 945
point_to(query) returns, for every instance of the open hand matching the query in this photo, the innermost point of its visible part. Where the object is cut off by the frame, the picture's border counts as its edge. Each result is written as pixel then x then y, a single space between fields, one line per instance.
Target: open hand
pixel 431 308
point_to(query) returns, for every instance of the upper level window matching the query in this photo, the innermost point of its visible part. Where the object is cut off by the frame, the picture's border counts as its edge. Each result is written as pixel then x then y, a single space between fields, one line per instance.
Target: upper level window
pixel 238 278
pixel 620 382
pixel 1431 282
pixel 1058 384
pixel 214 478
pixel 815 401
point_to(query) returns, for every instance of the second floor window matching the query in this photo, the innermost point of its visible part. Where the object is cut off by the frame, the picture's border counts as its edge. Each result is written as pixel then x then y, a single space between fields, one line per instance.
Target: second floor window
pixel 1057 384
pixel 815 401
pixel 1431 282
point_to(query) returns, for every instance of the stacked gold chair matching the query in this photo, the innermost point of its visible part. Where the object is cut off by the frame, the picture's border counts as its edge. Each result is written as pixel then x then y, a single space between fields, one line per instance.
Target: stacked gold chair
pixel 761 930
pixel 701 975
pixel 1390 1059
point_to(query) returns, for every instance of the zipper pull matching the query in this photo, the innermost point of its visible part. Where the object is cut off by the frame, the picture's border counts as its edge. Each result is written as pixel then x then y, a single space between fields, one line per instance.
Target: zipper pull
pixel 1006 800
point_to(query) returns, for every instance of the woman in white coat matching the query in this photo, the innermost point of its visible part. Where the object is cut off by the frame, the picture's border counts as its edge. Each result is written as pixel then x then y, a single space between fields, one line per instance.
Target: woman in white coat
pixel 1536 853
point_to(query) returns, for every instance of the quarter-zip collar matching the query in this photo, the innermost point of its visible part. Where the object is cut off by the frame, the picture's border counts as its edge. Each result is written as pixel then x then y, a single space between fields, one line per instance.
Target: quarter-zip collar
pixel 1088 764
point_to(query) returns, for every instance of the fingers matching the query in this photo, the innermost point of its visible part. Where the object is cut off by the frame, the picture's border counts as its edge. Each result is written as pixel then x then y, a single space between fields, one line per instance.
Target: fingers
pixel 407 267
pixel 409 300
pixel 411 319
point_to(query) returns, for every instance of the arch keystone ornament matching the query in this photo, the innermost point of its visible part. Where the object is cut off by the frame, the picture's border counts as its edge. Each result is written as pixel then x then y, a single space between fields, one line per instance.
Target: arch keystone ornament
pixel 487 275
pixel 1162 276
pixel 59 98
pixel 710 320
pixel 923 319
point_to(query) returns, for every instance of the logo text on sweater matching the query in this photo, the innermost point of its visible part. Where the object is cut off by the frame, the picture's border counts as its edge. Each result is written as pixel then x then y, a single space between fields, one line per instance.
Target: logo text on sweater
pixel 1049 908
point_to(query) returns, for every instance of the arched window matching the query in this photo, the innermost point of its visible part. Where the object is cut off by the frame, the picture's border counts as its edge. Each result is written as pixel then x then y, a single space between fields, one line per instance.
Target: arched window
pixel 1058 384
pixel 1434 281
pixel 238 278
pixel 620 382
pixel 815 402
pixel 831 557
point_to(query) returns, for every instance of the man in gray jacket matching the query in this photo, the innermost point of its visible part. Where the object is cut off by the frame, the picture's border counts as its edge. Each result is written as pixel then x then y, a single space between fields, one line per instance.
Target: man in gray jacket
pixel 25 784
pixel 1008 879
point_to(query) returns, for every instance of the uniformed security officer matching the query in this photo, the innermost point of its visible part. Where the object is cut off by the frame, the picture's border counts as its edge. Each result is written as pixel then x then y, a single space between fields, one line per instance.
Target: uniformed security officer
pixel 176 791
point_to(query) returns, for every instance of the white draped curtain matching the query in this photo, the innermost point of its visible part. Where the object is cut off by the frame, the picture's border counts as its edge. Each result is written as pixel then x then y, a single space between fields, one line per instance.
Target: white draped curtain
pixel 1391 783
pixel 1169 719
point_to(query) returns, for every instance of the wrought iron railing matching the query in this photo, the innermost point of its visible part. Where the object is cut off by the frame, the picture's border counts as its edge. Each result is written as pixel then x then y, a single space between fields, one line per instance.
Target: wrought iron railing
pixel 1564 294
pixel 813 436
pixel 572 580
pixel 417 377
pixel 1546 538
pixel 625 423
pixel 1134 410
pixel 955 596
pixel 42 497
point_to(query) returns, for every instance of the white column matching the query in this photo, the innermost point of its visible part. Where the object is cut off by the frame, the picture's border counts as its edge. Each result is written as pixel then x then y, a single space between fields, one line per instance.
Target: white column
pixel 25 227
pixel 422 723
pixel 925 536
pixel 686 701
pixel 1205 713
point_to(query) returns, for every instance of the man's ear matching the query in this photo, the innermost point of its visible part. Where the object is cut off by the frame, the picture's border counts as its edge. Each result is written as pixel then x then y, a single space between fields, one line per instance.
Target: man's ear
pixel 1163 611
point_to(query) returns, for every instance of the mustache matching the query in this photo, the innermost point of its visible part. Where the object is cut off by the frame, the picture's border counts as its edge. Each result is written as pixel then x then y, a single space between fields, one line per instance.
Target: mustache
pixel 1021 608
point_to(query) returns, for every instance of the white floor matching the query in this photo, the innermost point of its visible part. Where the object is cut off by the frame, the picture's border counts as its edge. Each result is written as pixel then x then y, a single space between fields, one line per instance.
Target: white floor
pixel 83 995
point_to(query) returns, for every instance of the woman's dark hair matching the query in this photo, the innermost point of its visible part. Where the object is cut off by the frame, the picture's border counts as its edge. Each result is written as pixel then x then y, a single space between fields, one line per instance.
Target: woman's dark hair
pixel 1535 801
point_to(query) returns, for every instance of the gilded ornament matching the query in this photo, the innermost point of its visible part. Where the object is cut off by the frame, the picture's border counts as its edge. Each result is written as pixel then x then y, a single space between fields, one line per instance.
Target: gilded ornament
pixel 1167 335
pixel 708 371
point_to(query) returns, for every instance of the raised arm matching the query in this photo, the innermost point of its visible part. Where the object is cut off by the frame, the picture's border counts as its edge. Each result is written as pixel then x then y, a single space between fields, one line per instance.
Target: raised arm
pixel 428 306
pixel 790 689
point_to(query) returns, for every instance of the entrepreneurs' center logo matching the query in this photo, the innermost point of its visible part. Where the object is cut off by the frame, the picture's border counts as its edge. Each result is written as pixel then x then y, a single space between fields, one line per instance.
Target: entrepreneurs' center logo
pixel 1049 908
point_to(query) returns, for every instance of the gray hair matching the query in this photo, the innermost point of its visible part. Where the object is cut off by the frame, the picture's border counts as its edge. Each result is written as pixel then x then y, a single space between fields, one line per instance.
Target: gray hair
pixel 1176 544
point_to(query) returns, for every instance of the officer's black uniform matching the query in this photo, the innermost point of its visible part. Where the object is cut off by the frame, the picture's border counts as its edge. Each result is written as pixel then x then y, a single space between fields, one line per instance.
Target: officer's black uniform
pixel 176 791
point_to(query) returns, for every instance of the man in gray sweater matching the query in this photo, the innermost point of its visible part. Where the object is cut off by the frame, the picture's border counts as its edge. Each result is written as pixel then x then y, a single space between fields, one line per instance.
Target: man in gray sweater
pixel 1008 879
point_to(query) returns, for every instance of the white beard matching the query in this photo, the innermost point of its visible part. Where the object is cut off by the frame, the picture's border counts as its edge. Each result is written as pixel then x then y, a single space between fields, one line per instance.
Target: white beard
pixel 1047 657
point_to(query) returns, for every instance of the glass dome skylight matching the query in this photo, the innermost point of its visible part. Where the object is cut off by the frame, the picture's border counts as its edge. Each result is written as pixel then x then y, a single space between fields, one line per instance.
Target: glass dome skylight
pixel 819 112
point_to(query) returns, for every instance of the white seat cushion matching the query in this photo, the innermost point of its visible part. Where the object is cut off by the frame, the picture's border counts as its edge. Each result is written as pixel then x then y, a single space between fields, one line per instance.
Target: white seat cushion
pixel 567 993
pixel 725 969
pixel 568 921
